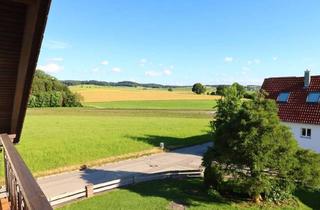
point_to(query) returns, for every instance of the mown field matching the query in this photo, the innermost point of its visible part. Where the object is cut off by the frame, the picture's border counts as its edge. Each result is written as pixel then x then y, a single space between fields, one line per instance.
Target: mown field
pixel 156 104
pixel 161 195
pixel 103 94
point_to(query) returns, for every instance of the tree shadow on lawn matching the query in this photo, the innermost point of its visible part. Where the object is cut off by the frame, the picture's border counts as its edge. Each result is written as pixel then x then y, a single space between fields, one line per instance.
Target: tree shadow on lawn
pixel 187 192
pixel 310 198
pixel 173 142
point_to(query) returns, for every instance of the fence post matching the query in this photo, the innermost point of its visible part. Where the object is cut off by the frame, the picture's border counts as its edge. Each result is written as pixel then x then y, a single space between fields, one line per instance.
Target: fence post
pixel 89 190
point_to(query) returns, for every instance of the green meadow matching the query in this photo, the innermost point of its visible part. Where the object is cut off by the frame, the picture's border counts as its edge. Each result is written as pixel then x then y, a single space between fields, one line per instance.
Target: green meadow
pixel 63 137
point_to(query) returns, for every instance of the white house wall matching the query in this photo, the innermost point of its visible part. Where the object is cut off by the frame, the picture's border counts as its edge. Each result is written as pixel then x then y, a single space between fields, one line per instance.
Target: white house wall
pixel 308 143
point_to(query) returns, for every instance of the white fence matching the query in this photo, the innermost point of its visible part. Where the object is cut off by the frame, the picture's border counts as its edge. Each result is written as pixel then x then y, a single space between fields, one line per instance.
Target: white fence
pixel 89 190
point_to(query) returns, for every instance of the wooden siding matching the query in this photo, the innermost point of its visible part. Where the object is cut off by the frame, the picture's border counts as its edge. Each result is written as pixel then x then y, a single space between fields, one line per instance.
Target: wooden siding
pixel 12 21
pixel 17 65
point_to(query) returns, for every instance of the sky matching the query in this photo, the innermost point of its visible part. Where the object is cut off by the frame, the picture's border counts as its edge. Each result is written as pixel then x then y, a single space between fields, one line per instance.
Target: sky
pixel 181 42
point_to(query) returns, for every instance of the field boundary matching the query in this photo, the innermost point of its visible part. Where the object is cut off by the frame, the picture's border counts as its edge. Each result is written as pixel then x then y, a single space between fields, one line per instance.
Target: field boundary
pixel 99 162
pixel 90 190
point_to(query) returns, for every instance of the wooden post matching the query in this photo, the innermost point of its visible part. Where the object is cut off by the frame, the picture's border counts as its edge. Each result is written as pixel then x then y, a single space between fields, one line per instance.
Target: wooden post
pixel 89 190
pixel 20 182
pixel 4 204
pixel 162 145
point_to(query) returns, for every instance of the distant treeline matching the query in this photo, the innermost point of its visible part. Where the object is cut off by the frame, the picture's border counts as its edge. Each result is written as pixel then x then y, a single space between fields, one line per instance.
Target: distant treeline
pixel 48 91
pixel 115 84
pixel 135 84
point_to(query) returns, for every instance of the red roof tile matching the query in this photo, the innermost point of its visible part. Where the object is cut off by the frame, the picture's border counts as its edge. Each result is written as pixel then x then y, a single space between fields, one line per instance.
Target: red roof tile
pixel 296 110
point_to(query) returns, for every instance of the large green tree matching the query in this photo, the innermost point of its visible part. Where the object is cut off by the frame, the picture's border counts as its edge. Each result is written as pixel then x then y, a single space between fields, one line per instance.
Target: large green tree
pixel 241 90
pixel 220 89
pixel 198 88
pixel 253 152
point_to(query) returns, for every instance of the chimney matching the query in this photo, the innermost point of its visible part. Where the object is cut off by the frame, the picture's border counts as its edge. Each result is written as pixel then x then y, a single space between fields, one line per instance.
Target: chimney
pixel 307 78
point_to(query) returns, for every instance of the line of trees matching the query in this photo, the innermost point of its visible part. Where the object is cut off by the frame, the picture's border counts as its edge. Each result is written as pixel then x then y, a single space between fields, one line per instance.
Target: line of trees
pixel 116 84
pixel 47 91
pixel 243 91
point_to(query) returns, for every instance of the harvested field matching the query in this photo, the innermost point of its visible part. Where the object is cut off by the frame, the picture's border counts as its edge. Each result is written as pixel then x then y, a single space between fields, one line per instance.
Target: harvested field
pixel 105 94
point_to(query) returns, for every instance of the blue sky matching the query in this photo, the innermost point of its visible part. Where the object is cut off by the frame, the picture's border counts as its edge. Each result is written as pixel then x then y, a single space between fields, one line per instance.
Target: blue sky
pixel 181 42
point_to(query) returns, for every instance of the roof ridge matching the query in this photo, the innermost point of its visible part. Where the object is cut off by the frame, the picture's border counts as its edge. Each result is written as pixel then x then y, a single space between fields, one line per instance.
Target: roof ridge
pixel 290 77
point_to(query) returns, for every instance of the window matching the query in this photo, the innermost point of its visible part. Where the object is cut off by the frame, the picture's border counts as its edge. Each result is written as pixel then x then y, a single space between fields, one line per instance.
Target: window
pixel 283 97
pixel 306 132
pixel 313 97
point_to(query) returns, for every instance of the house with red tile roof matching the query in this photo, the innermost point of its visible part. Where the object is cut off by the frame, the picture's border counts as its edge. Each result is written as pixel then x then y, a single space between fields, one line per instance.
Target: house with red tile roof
pixel 298 100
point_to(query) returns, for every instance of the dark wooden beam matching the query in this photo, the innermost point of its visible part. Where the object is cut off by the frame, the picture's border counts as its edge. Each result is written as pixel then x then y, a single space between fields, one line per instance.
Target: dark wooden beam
pixel 25 1
pixel 27 43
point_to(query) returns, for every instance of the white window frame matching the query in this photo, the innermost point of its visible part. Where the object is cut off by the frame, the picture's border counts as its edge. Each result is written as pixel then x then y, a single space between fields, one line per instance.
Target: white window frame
pixel 306 131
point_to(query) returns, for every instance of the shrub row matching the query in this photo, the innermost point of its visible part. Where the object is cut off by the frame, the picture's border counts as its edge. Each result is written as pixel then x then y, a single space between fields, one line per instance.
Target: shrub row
pixel 54 99
pixel 48 91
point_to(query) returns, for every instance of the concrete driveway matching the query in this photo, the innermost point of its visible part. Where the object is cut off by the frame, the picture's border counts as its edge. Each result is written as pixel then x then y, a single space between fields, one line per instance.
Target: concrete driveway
pixel 181 159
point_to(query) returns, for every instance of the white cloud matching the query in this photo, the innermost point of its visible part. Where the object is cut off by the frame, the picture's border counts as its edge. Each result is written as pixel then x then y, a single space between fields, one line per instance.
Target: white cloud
pixel 95 70
pixel 242 77
pixel 167 72
pixel 228 59
pixel 275 58
pixel 153 73
pixel 51 68
pixel 53 45
pixel 116 69
pixel 143 62
pixel 171 67
pixel 105 62
pixel 256 61
pixel 57 59
pixel 245 68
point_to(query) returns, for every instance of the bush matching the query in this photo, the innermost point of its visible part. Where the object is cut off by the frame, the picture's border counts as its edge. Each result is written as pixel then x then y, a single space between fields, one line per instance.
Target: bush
pixel 71 100
pixel 170 89
pixel 249 95
pixel 56 99
pixel 307 168
pixel 43 99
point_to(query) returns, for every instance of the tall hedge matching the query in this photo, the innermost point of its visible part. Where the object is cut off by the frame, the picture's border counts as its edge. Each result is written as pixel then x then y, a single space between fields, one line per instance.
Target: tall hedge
pixel 47 91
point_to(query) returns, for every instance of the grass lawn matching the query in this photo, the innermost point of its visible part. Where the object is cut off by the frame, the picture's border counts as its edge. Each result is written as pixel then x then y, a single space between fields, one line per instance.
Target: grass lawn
pixel 190 193
pixel 61 137
pixel 162 104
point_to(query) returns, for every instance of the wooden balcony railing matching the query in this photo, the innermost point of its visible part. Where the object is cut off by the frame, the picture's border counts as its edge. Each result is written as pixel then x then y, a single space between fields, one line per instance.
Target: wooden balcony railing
pixel 23 190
